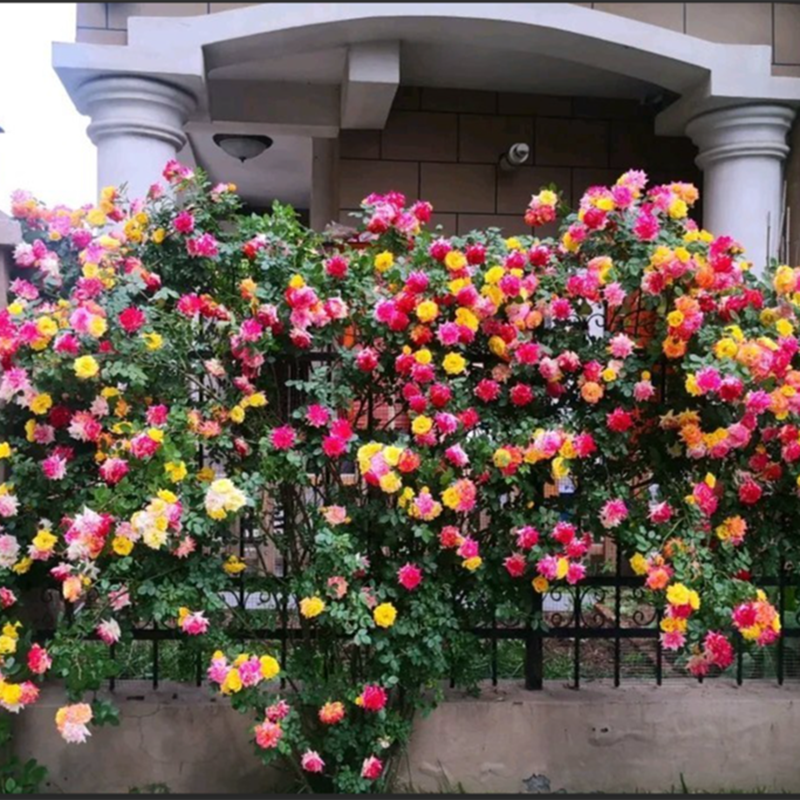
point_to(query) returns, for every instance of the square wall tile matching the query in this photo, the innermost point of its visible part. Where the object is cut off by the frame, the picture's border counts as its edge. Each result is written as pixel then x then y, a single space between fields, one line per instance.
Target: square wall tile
pixel 360 144
pixel 420 136
pixel 463 100
pixel 730 23
pixel 459 187
pixel 571 142
pixel 665 15
pixel 484 138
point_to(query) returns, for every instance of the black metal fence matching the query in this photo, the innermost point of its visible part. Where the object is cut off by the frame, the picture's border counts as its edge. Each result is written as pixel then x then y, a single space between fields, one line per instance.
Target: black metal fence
pixel 596 636
pixel 603 628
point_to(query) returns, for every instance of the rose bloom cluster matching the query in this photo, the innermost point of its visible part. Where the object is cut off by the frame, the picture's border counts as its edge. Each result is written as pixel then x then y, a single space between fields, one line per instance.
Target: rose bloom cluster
pixel 418 404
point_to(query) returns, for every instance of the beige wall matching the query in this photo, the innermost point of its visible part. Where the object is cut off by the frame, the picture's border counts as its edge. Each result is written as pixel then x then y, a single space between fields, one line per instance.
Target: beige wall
pixel 443 145
pixel 638 737
pixel 775 24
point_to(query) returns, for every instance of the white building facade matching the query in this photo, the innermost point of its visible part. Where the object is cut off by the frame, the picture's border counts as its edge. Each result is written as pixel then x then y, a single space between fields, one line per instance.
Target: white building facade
pixel 425 98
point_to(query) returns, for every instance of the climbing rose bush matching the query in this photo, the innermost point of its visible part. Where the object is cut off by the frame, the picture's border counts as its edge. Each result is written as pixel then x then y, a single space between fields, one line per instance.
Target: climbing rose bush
pixel 174 372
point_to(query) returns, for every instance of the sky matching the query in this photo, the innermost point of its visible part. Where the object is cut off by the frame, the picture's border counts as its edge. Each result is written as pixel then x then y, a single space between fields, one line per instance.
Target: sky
pixel 45 148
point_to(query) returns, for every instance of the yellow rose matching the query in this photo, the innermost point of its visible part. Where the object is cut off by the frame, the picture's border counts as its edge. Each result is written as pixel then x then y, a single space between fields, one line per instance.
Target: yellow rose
pixel 156 434
pixel 494 293
pixel 454 363
pixel 784 327
pixel 639 564
pixel 237 414
pixel 384 261
pixel 455 261
pixel 255 400
pixel 472 563
pixel 785 280
pixel 153 341
pixel 311 607
pixel 176 470
pixel 427 311
pixel 466 318
pixel 384 615
pixel 391 455
pixel 44 540
pixel 391 483
pixel 497 345
pixel 232 683
pixel 494 274
pixel 234 565
pixel 677 595
pixel 5 450
pixel 421 425
pixel 8 646
pixel 121 546
pixel 725 348
pixel 22 566
pixel 97 326
pixel 423 356
pixel 10 693
pixel 691 386
pixel 86 367
pixel 41 404
pixel 678 209
pixel 675 319
pixel 270 668
pixel 96 218
pixel 47 326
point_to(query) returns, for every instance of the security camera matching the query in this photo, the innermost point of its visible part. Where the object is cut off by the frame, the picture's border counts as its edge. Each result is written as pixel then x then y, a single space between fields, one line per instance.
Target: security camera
pixel 515 156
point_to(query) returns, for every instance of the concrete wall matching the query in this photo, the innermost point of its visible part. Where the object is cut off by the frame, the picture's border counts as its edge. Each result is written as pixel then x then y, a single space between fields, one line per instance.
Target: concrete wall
pixel 443 145
pixel 775 24
pixel 9 236
pixel 638 737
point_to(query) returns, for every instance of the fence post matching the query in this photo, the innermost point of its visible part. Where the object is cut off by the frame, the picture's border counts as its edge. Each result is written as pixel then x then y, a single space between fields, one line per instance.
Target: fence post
pixel 534 650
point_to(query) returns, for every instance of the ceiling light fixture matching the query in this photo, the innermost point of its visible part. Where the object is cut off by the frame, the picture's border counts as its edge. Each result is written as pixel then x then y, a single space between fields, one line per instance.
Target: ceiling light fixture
pixel 241 145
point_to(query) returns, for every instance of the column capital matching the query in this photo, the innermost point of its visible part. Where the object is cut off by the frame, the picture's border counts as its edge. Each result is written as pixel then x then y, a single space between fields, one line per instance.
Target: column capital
pixel 124 105
pixel 755 130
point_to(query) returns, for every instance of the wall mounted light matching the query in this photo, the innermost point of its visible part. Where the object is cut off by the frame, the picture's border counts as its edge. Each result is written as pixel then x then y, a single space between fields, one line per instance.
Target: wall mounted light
pixel 515 156
pixel 242 146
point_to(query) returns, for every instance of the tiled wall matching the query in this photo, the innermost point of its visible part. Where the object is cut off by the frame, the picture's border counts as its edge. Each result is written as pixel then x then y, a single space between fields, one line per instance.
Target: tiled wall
pixel 444 145
pixel 776 24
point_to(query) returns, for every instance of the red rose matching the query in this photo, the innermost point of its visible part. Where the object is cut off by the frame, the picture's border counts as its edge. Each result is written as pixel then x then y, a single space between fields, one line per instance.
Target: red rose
pixel 132 319
pixel 619 420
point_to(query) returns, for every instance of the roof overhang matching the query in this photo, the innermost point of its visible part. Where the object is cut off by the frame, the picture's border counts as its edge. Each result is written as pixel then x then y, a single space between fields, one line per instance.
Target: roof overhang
pixel 189 51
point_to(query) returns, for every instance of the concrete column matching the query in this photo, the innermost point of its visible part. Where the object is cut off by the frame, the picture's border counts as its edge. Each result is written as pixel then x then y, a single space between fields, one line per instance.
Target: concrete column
pixel 742 153
pixel 324 183
pixel 137 125
pixel 10 236
pixel 793 197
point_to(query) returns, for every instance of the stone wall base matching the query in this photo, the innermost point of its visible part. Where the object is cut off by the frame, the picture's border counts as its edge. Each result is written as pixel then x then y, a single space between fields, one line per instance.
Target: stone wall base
pixel 635 738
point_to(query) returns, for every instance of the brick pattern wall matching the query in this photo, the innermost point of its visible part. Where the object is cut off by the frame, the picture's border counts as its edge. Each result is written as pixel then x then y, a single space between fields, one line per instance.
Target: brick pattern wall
pixel 443 145
pixel 775 24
